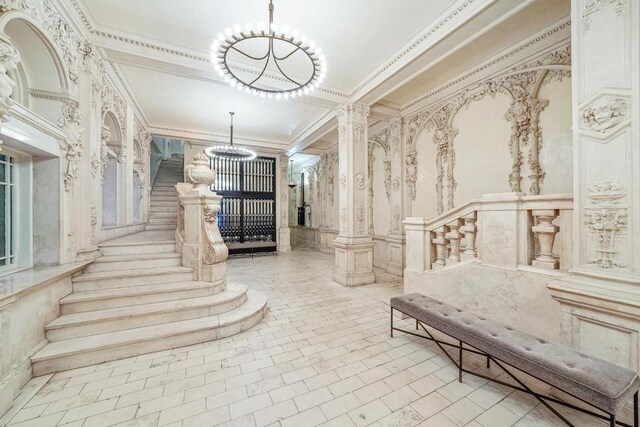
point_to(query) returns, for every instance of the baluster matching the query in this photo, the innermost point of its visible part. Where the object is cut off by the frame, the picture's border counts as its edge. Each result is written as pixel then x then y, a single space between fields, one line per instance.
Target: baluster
pixel 469 230
pixel 440 242
pixel 545 233
pixel 454 236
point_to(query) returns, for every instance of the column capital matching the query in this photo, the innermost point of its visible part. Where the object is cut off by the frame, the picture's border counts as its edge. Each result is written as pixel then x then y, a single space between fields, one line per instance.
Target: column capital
pixel 352 114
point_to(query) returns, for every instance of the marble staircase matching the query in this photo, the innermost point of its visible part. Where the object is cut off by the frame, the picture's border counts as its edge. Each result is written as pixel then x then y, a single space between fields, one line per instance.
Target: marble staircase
pixel 137 298
pixel 164 198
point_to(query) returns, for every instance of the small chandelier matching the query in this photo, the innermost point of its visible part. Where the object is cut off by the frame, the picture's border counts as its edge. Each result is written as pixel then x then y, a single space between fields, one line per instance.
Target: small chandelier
pixel 230 151
pixel 238 39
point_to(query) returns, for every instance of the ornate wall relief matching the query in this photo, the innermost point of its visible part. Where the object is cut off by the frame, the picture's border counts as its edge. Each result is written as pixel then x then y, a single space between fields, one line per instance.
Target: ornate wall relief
pixel 343 181
pixel 359 219
pixel 93 218
pixel 70 122
pixel 605 113
pixel 105 136
pixel 360 181
pixel 62 34
pixel 606 220
pixel 524 114
pixel 411 164
pixel 387 178
pixel 9 59
pixel 593 6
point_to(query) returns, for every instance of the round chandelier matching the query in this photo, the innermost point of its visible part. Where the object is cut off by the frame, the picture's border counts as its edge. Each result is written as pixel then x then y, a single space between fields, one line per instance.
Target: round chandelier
pixel 250 43
pixel 230 151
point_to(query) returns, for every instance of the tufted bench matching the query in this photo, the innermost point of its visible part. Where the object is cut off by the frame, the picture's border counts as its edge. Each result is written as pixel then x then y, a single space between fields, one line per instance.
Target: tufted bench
pixel 599 383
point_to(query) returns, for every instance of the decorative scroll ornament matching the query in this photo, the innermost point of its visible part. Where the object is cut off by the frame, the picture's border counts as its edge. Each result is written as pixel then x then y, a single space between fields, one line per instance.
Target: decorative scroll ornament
pixel 95 165
pixel 214 250
pixel 396 218
pixel 387 178
pixel 412 173
pixel 605 113
pixel 360 181
pixel 9 59
pixel 396 184
pixel 311 173
pixel 359 219
pixel 105 136
pixel 593 6
pixel 331 163
pixel 94 224
pixel 343 181
pixel 606 220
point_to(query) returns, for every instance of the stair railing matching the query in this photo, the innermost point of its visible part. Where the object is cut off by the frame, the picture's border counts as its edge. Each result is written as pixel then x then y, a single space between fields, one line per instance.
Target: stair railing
pixel 507 230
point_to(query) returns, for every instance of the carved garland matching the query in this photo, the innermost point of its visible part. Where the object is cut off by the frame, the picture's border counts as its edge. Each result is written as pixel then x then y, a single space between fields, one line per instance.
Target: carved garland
pixel 524 114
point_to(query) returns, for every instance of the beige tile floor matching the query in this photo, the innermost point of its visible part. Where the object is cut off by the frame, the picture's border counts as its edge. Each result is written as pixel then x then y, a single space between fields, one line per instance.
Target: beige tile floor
pixel 322 356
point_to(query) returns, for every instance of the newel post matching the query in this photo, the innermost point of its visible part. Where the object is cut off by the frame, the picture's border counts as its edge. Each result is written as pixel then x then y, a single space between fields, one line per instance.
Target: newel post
pixel 202 246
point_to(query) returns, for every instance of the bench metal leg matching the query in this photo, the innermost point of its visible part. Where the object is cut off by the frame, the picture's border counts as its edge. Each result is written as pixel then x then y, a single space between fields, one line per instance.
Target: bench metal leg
pixel 392 322
pixel 417 328
pixel 612 420
pixel 635 410
pixel 460 362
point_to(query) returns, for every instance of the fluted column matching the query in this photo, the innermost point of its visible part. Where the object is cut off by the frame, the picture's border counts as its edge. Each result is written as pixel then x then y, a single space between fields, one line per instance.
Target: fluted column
pixel 353 246
pixel 284 232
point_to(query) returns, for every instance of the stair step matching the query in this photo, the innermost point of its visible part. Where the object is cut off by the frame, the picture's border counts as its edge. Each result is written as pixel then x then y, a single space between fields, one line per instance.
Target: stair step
pixel 134 262
pixel 169 213
pixel 163 221
pixel 85 301
pixel 115 319
pixel 130 278
pixel 160 227
pixel 85 351
pixel 168 246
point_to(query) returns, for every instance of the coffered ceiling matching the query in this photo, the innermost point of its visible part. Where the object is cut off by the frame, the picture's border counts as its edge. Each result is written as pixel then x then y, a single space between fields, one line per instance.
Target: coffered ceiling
pixel 373 48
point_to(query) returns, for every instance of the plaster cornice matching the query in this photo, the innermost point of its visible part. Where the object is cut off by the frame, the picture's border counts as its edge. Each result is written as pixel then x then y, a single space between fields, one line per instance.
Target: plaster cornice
pixel 424 100
pixel 200 135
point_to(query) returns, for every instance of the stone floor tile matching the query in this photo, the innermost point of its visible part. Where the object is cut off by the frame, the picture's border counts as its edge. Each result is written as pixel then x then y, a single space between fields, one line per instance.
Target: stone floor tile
pixel 372 391
pixel 430 405
pixel 405 417
pixel 180 412
pixel 87 411
pixel 339 406
pixel 399 398
pixel 369 413
pixel 275 413
pixel 112 418
pixel 313 398
pixel 497 416
pixel 345 386
pixel 249 405
pixel 309 418
pixel 341 421
pixel 463 411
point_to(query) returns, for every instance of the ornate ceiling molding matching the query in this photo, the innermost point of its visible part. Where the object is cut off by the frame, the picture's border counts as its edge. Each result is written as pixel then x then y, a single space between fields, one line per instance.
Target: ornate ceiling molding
pixel 443 25
pixel 492 63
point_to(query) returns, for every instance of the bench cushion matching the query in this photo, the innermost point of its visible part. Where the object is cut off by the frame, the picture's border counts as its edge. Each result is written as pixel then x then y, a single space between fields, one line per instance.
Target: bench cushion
pixel 601 383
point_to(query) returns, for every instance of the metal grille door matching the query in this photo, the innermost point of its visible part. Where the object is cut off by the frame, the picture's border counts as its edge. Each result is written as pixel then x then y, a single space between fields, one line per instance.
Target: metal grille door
pixel 247 218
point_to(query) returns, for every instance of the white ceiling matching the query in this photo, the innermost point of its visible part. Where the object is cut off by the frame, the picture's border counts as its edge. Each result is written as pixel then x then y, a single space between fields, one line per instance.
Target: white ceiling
pixel 355 35
pixel 375 49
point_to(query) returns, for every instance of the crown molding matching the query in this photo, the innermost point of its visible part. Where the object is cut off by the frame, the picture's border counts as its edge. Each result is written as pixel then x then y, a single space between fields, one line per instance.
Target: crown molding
pixel 447 22
pixel 554 35
pixel 208 137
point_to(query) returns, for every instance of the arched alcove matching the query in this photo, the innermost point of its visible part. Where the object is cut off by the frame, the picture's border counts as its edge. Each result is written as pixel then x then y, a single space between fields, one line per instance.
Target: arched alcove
pixel 110 193
pixel 41 83
pixel 113 174
pixel 136 193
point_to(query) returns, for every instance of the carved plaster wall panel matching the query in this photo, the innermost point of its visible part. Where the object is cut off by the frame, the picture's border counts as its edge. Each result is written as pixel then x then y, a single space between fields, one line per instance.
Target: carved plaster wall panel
pixel 606 221
pixel 604 114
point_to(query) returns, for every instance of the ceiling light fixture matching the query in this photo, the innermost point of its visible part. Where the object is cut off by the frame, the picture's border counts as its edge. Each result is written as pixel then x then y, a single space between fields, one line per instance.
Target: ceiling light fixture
pixel 291 42
pixel 230 151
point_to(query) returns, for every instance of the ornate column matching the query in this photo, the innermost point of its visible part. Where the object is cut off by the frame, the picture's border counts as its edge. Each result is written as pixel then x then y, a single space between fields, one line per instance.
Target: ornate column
pixel 284 232
pixel 202 248
pixel 396 239
pixel 600 301
pixel 353 246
